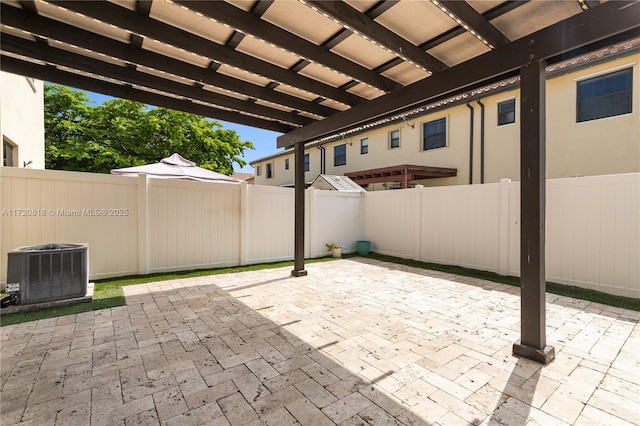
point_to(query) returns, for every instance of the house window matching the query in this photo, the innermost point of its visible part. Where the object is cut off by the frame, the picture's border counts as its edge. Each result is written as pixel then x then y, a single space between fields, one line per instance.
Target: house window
pixel 340 155
pixel 394 139
pixel 604 96
pixel 258 171
pixel 364 146
pixel 7 154
pixel 286 164
pixel 306 162
pixel 506 112
pixel 269 170
pixel 434 134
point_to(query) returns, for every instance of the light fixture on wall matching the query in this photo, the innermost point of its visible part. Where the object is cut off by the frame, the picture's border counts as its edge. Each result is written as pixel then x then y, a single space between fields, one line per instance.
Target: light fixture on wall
pixel 27 164
pixel 404 118
pixel 345 140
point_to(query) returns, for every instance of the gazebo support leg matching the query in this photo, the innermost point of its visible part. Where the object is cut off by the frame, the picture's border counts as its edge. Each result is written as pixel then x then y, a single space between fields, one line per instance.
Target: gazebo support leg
pixel 533 343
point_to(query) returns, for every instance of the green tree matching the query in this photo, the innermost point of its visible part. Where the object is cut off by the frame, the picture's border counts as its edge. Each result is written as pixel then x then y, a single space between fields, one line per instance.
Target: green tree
pixel 80 136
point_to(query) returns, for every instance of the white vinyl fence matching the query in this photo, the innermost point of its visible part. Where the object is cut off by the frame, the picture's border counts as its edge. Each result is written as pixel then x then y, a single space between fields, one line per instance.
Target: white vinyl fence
pixel 592 229
pixel 137 225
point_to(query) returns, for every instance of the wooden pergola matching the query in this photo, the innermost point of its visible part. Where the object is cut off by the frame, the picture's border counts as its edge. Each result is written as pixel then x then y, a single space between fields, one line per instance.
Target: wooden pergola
pixel 312 69
pixel 402 173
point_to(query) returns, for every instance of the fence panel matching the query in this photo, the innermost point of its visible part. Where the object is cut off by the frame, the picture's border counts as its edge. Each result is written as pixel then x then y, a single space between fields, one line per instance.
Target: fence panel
pixel 335 217
pixel 461 225
pixel 44 206
pixel 593 234
pixel 390 219
pixel 269 226
pixel 193 224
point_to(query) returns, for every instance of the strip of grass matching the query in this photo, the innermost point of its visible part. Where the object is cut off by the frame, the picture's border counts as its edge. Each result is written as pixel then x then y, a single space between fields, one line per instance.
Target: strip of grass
pixel 108 293
pixel 554 288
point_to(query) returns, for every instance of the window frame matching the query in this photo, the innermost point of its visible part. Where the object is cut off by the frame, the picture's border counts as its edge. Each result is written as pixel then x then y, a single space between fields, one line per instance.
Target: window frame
pixel 445 133
pixel 286 164
pixel 502 115
pixel 602 110
pixel 258 170
pixel 392 139
pixel 364 146
pixel 268 171
pixel 341 157
pixel 307 163
pixel 9 159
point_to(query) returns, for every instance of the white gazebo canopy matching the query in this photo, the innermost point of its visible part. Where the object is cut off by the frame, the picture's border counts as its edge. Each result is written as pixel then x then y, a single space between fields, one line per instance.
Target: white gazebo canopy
pixel 176 167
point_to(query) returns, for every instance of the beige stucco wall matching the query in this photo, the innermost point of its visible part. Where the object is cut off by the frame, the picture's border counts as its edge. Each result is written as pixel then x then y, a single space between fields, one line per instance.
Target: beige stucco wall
pixel 455 154
pixel 22 118
pixel 599 147
pixel 501 143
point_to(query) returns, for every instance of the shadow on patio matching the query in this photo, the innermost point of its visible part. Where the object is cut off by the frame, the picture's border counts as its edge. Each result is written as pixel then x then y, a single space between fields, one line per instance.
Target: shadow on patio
pixel 356 341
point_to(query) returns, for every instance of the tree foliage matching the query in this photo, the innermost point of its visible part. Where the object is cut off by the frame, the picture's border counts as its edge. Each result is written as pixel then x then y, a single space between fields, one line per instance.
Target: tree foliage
pixel 120 133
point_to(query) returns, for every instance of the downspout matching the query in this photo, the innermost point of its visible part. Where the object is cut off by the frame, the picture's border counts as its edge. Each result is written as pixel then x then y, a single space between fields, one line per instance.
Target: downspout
pixel 481 141
pixel 322 159
pixel 470 143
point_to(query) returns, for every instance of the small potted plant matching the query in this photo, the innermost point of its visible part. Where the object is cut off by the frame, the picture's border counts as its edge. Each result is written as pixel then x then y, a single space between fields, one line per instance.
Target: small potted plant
pixel 335 248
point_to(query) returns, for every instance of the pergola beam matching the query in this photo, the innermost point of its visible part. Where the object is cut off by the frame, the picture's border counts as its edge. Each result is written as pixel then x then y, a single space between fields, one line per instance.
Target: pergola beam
pixel 354 20
pixel 133 53
pixel 64 58
pixel 247 22
pixel 476 21
pixel 50 73
pixel 379 8
pixel 607 20
pixel 497 11
pixel 148 27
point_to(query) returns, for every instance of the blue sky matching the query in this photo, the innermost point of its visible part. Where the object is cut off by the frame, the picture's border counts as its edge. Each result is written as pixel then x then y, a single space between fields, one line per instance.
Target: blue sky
pixel 264 141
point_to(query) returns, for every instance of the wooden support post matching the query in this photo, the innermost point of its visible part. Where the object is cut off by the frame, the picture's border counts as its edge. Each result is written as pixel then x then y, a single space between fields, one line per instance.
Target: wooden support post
pixel 532 343
pixel 298 251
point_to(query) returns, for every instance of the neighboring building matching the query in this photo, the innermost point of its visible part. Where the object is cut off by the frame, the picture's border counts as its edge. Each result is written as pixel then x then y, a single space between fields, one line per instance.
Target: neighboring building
pixel 593 128
pixel 21 121
pixel 247 177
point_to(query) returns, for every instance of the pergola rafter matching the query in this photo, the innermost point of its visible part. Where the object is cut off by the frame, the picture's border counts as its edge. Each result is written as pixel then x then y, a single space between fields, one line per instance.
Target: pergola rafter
pixel 476 22
pixel 248 22
pixel 148 27
pixel 366 26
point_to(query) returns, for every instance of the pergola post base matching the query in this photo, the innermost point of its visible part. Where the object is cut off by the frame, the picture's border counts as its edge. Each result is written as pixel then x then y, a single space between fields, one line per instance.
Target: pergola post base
pixel 543 356
pixel 299 273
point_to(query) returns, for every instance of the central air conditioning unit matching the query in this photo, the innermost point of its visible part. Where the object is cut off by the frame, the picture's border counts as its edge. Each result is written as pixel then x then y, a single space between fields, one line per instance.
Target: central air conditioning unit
pixel 48 272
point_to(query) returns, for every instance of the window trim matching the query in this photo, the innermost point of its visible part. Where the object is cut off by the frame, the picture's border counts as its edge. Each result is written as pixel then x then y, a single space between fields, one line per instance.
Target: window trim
pixel 268 171
pixel 286 164
pixel 307 162
pixel 605 72
pixel 258 170
pixel 335 156
pixel 446 133
pixel 391 139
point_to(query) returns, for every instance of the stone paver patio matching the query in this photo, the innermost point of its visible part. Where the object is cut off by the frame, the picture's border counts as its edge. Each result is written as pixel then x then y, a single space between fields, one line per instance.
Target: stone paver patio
pixel 356 342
